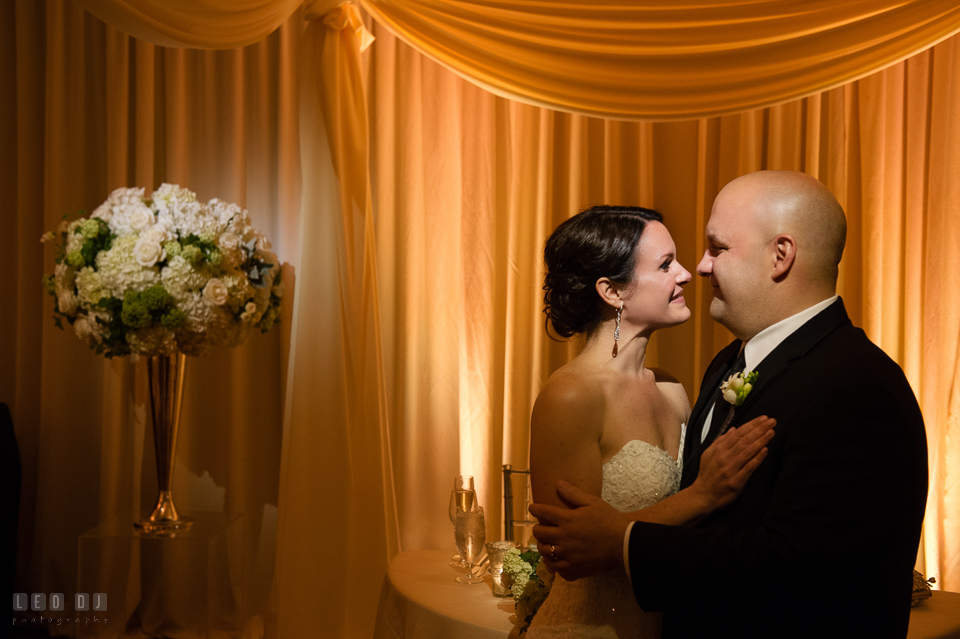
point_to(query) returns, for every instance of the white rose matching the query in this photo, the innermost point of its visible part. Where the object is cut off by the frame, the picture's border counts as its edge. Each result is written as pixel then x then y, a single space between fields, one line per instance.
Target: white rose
pixel 140 217
pixel 736 382
pixel 67 302
pixel 104 212
pixel 65 276
pixel 216 292
pixel 730 396
pixel 155 233
pixel 148 253
pixel 84 331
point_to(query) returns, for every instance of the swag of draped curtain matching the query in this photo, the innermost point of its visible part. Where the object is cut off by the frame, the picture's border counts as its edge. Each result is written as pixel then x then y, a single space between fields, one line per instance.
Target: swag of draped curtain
pixel 336 221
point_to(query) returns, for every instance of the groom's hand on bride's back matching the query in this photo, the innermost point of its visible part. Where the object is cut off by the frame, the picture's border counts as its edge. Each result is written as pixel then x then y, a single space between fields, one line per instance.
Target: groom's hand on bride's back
pixel 587 538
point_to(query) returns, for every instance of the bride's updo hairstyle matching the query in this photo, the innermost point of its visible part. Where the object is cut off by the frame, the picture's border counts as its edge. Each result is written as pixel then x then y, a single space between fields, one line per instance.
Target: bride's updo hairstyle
pixel 599 242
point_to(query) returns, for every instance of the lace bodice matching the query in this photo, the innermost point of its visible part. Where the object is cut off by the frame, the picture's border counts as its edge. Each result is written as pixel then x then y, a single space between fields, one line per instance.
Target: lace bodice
pixel 603 606
pixel 640 475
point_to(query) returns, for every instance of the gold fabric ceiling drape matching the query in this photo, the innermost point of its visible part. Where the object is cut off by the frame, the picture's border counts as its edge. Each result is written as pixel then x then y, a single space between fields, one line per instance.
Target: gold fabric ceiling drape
pixel 204 24
pixel 413 342
pixel 665 61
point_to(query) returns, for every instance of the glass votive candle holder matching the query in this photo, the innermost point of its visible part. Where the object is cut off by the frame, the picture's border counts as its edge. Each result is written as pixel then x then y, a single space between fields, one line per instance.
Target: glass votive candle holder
pixel 496 550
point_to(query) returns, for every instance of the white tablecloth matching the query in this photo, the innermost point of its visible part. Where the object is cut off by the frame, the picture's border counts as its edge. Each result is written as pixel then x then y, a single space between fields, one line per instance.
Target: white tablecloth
pixel 421 599
pixel 937 617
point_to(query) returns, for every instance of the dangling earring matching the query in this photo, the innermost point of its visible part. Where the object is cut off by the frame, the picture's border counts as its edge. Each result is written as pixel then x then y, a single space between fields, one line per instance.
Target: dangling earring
pixel 616 331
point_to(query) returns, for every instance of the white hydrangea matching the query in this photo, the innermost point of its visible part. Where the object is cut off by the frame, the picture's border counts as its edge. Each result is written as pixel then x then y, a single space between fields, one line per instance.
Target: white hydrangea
pixel 180 279
pixel 89 286
pixel 124 204
pixel 171 196
pixel 120 270
pixel 224 212
pixel 189 218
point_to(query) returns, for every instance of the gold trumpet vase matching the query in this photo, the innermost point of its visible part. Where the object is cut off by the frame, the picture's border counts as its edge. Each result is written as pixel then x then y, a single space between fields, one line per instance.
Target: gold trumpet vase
pixel 165 376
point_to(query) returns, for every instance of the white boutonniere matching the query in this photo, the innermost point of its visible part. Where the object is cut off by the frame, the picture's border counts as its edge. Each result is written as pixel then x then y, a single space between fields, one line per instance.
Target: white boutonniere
pixel 736 387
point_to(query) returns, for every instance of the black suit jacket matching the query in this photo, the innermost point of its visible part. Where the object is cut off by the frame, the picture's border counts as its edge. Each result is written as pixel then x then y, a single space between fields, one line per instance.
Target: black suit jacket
pixel 823 540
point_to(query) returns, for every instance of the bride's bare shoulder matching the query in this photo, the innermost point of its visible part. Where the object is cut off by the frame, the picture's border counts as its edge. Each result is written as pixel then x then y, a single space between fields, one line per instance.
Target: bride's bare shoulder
pixel 570 397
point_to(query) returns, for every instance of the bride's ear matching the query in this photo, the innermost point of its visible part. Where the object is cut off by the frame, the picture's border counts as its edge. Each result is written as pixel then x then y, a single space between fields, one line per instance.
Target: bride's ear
pixel 609 292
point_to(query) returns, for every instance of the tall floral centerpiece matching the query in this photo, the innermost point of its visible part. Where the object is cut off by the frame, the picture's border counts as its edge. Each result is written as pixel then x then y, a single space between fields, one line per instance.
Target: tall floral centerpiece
pixel 163 276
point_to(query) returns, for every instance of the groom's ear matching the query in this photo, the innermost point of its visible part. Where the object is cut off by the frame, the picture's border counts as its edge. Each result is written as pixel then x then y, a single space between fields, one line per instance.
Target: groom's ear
pixel 609 292
pixel 784 255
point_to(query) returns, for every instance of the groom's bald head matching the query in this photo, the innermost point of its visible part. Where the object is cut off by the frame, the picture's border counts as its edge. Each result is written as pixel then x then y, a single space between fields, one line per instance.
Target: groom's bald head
pixel 775 239
pixel 796 204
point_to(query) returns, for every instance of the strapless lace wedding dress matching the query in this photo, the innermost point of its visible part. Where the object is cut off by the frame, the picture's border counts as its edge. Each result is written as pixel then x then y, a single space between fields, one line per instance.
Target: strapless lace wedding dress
pixel 603 606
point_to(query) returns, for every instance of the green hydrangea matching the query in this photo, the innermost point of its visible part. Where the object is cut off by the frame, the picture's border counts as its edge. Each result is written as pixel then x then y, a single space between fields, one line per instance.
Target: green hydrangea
pixel 513 564
pixel 135 313
pixel 173 249
pixel 75 259
pixel 156 298
pixel 89 228
pixel 191 253
pixel 214 257
pixel 174 319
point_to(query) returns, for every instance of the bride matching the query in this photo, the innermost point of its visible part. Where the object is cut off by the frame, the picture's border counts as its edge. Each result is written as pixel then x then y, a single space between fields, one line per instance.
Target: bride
pixel 608 424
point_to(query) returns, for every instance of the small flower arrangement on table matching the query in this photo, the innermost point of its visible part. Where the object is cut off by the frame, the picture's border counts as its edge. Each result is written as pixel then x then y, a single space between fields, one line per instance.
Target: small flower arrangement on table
pixel 531 583
pixel 163 275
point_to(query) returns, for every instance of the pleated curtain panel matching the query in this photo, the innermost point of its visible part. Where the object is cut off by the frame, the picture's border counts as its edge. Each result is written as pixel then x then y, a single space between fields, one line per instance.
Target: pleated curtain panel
pixel 409 158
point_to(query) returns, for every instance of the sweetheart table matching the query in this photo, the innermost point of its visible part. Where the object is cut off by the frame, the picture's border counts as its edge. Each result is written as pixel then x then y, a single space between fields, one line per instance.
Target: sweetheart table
pixel 420 599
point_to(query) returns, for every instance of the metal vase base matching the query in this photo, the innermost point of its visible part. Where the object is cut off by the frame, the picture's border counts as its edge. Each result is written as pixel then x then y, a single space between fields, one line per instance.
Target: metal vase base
pixel 164 520
pixel 165 375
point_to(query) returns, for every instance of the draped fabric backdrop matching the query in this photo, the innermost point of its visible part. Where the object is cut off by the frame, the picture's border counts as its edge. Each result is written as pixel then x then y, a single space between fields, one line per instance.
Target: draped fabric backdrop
pixel 411 206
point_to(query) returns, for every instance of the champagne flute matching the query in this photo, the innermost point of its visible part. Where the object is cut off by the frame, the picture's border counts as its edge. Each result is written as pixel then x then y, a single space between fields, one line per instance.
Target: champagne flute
pixel 462 497
pixel 471 534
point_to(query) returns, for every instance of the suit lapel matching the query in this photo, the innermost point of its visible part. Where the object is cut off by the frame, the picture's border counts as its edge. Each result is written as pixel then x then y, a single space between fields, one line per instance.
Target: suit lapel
pixel 796 345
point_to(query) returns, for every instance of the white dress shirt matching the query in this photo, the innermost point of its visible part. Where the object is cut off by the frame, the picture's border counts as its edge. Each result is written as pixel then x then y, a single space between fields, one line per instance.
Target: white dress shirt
pixel 754 352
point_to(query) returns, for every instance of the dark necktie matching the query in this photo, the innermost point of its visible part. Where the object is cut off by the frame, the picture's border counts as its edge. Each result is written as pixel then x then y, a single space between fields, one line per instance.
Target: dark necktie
pixel 722 409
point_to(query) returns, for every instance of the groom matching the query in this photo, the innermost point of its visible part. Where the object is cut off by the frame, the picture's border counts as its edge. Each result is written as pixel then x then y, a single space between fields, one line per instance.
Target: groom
pixel 823 539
